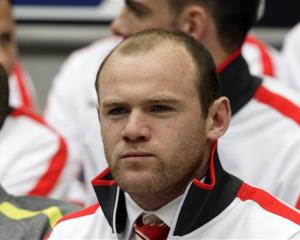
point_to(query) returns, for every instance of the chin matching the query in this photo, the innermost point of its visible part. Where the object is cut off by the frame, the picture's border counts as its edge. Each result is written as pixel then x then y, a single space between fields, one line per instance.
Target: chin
pixel 135 183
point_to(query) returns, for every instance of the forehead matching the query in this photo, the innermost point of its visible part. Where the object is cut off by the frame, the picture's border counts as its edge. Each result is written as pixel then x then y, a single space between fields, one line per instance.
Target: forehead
pixel 165 68
pixel 6 17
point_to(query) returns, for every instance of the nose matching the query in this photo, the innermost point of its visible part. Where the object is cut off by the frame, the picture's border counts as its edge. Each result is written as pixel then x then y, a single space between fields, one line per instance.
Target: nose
pixel 120 26
pixel 136 128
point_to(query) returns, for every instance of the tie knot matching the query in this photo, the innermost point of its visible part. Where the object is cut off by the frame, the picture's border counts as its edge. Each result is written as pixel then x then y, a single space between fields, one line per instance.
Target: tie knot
pixel 151 220
pixel 150 227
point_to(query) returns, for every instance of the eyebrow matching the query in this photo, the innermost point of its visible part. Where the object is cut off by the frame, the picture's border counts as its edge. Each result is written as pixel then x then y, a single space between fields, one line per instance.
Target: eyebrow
pixel 111 103
pixel 163 100
pixel 156 100
pixel 137 4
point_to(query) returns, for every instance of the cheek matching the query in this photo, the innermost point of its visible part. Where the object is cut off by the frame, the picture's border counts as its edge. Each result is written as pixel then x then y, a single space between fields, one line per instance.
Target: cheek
pixel 111 135
pixel 187 136
pixel 11 55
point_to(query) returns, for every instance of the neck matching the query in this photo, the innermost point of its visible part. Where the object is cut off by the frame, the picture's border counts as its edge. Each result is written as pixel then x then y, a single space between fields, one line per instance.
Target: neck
pixel 218 53
pixel 211 41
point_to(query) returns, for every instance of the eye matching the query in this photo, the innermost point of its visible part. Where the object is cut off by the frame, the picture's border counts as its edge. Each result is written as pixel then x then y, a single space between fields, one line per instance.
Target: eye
pixel 117 111
pixel 136 9
pixel 6 39
pixel 160 108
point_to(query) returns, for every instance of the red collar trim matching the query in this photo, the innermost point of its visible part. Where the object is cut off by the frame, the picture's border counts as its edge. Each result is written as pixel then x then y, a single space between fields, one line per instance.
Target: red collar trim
pixel 99 181
pixel 209 186
pixel 228 61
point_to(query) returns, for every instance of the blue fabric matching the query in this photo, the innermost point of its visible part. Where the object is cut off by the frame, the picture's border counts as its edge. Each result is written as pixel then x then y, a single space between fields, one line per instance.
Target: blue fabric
pixel 70 3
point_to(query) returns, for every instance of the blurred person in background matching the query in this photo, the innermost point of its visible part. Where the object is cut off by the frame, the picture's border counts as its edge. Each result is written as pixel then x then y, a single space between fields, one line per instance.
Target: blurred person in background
pixel 290 57
pixel 72 111
pixel 22 93
pixel 33 156
pixel 36 155
pixel 23 217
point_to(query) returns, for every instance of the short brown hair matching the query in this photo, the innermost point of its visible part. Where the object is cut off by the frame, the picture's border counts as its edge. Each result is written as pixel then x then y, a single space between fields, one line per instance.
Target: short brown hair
pixel 233 18
pixel 144 41
pixel 4 95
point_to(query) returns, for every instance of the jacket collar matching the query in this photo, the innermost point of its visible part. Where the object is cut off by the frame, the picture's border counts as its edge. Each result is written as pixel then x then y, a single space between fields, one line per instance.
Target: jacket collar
pixel 236 81
pixel 203 201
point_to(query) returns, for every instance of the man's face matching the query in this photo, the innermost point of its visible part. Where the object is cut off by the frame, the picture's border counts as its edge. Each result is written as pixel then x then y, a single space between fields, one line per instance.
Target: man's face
pixel 8 49
pixel 139 15
pixel 152 125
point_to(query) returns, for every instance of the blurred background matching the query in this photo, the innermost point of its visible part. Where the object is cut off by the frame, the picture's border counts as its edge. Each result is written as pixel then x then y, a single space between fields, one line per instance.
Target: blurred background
pixel 48 30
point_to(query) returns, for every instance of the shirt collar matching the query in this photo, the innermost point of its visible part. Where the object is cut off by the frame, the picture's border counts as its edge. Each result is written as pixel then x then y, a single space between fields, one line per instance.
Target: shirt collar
pixel 166 213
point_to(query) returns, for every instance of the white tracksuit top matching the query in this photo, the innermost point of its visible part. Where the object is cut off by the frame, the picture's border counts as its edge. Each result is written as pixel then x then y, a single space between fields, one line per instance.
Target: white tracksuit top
pixel 33 157
pixel 22 91
pixel 223 207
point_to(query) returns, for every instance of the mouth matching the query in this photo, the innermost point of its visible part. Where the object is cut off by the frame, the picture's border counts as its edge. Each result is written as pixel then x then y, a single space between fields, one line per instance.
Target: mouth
pixel 136 156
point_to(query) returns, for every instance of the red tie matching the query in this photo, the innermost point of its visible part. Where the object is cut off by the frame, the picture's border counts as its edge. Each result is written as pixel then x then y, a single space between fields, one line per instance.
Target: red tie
pixel 150 228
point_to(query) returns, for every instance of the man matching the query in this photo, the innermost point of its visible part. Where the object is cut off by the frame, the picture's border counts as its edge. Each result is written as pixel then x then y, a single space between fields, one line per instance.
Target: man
pixel 264 132
pixel 161 115
pixel 72 110
pixel 22 90
pixel 33 156
pixel 22 217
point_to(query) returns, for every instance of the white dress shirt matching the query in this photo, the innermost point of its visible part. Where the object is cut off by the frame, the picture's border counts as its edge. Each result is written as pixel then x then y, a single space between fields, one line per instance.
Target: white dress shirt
pixel 166 213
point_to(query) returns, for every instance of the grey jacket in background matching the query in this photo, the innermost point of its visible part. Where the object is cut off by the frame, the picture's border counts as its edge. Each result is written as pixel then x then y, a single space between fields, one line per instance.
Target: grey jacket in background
pixel 29 217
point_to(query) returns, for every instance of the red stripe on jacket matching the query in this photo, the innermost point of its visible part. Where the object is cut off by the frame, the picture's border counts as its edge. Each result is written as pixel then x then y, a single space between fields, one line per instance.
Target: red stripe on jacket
pixel 57 162
pixel 298 203
pixel 24 94
pixel 84 212
pixel 267 62
pixel 281 104
pixel 268 202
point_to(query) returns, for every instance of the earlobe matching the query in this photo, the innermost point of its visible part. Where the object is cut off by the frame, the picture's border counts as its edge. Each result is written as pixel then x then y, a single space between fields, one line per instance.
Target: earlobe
pixel 218 118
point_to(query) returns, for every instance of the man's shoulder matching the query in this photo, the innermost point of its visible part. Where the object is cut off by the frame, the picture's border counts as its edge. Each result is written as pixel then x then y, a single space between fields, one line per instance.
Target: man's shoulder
pixel 76 216
pixel 96 49
pixel 262 58
pixel 260 206
pixel 254 214
pixel 28 121
pixel 85 224
pixel 274 95
pixel 267 202
pixel 28 131
pixel 80 68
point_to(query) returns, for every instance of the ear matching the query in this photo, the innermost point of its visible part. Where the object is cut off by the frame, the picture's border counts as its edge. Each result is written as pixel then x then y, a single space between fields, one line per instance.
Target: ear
pixel 218 118
pixel 193 20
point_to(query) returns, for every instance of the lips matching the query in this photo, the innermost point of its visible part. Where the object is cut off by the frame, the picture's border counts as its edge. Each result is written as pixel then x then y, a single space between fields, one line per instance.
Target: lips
pixel 136 155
